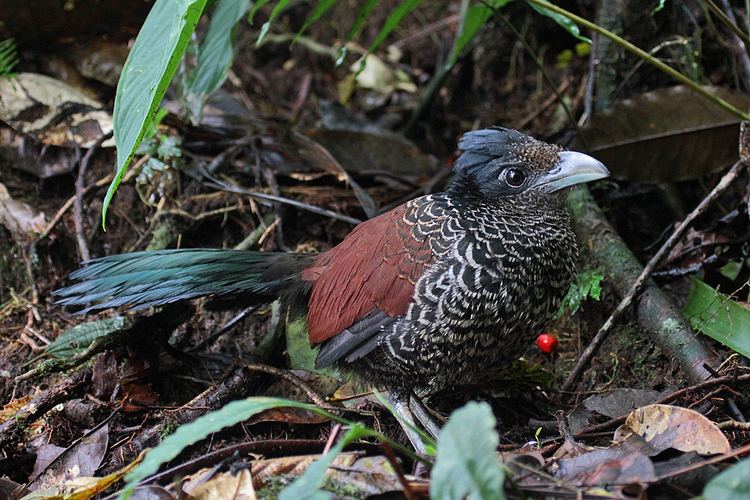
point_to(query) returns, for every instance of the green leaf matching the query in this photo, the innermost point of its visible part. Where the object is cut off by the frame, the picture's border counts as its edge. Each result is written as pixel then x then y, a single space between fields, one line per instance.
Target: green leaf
pixel 215 54
pixel 276 12
pixel 75 340
pixel 8 57
pixel 359 23
pixel 301 355
pixel 475 18
pixel 145 77
pixel 588 284
pixel 466 464
pixel 392 22
pixel 732 484
pixel 308 485
pixel 321 8
pixel 188 434
pixel 256 7
pixel 719 316
pixel 563 21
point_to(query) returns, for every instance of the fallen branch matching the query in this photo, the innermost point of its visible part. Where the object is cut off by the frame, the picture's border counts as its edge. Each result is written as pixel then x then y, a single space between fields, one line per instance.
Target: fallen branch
pixel 671 344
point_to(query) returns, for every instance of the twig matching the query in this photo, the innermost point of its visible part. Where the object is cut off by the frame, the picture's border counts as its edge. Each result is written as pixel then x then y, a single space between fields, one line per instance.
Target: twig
pixel 645 56
pixel 83 166
pixel 225 327
pixel 637 285
pixel 12 428
pixel 734 425
pixel 295 381
pixel 280 199
pixel 609 424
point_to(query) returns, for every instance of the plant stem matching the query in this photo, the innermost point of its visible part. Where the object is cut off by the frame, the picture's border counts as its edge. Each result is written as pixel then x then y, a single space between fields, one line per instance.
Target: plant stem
pixel 645 56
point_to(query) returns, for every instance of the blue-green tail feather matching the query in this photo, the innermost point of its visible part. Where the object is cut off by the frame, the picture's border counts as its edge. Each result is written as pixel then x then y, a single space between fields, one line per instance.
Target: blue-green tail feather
pixel 151 278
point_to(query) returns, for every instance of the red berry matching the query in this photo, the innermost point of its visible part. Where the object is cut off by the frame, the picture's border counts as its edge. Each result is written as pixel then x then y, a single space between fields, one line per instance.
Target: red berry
pixel 547 342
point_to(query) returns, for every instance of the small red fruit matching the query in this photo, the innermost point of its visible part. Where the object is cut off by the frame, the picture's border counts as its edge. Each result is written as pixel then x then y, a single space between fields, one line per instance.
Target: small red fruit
pixel 547 343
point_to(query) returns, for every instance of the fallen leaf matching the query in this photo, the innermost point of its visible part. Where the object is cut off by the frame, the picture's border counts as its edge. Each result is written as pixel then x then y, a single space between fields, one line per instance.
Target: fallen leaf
pixel 80 461
pixel 52 111
pixel 618 402
pixel 670 134
pixel 19 218
pixel 607 466
pixel 237 486
pixel 666 426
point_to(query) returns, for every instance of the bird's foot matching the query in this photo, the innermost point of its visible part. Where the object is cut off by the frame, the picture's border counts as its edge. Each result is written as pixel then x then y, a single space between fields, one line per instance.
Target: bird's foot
pixel 407 406
pixel 424 416
pixel 400 403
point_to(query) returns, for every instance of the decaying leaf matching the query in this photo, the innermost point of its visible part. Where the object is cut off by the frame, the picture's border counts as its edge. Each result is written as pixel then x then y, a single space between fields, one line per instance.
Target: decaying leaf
pixel 668 135
pixel 666 426
pixel 55 466
pixel 620 401
pixel 361 151
pixel 52 112
pixel 237 486
pixel 607 466
pixel 17 217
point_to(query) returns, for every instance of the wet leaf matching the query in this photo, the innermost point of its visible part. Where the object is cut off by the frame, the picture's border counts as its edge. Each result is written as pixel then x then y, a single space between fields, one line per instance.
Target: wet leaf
pixel 466 465
pixel 670 134
pixel 666 426
pixel 732 484
pixel 719 316
pixel 52 112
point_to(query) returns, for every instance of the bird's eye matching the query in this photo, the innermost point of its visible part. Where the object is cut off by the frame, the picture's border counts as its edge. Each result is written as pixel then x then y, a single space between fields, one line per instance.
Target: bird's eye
pixel 515 177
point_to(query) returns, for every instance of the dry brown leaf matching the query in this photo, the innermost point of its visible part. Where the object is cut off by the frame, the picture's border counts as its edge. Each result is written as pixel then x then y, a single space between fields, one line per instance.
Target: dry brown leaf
pixel 666 426
pixel 666 135
pixel 19 218
pixel 52 111
pixel 292 466
pixel 55 468
pixel 226 485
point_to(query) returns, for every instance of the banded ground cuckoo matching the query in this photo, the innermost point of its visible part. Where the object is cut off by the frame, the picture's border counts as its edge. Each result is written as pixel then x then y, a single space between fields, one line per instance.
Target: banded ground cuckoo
pixel 430 295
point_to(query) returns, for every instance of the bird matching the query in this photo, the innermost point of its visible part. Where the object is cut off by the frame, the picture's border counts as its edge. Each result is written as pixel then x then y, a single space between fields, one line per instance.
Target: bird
pixel 428 296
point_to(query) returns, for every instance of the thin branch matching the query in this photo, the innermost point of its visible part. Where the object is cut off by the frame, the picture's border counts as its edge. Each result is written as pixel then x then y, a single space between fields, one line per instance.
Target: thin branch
pixel 637 285
pixel 83 166
pixel 645 56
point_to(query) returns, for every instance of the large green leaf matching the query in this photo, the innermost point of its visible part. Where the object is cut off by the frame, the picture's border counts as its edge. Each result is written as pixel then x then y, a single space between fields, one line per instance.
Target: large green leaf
pixel 719 316
pixel 466 464
pixel 215 54
pixel 146 75
pixel 732 484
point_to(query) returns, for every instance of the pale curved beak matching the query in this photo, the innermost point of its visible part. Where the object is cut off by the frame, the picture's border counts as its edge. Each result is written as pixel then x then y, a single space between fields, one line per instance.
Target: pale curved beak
pixel 573 168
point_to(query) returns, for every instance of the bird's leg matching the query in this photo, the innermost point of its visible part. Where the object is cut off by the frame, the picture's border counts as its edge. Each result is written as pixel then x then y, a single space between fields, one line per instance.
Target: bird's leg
pixel 400 403
pixel 422 413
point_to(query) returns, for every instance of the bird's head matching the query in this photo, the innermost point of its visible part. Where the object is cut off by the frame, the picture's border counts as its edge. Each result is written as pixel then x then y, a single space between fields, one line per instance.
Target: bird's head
pixel 501 162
